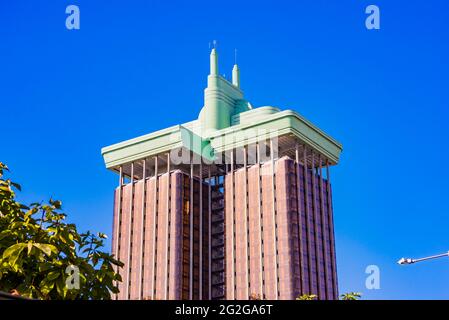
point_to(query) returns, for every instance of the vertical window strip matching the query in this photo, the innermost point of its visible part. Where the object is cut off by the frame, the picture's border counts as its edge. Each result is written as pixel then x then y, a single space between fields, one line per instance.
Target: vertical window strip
pixel 306 203
pixel 142 236
pixel 119 222
pixel 274 204
pixel 315 222
pixel 167 243
pixel 130 222
pixel 324 232
pixel 299 207
pixel 155 228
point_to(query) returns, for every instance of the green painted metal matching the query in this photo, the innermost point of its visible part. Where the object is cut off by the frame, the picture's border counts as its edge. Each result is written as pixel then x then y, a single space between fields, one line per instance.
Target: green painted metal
pixel 225 122
pixel 197 144
pixel 236 76
pixel 276 125
pixel 158 142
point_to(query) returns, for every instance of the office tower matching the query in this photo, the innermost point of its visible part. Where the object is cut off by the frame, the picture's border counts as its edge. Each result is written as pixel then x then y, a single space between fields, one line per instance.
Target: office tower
pixel 233 205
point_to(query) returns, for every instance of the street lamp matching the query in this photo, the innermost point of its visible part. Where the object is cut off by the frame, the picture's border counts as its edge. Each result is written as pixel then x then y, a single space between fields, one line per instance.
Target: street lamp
pixel 411 261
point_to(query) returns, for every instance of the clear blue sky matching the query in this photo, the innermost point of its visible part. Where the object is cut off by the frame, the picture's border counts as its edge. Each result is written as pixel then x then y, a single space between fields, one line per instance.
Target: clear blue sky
pixel 138 66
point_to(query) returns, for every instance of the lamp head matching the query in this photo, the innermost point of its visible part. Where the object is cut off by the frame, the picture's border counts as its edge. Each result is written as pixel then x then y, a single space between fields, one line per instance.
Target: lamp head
pixel 405 261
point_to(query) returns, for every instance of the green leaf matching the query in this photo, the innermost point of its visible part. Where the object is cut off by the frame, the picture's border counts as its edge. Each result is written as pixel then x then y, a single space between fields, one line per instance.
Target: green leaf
pixel 53 275
pixel 43 267
pixel 57 204
pixel 30 212
pixel 60 285
pixel 7 189
pixel 102 235
pixel 12 254
pixel 4 234
pixel 46 286
pixel 30 246
pixel 48 249
pixel 13 250
pixel 17 186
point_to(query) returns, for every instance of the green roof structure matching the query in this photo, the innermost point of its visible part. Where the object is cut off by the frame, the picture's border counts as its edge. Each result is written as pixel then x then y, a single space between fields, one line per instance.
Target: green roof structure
pixel 227 121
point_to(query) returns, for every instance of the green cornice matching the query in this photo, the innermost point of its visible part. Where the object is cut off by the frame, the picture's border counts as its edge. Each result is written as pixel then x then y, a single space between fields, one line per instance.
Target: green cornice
pixel 272 125
pixel 158 142
pixel 277 124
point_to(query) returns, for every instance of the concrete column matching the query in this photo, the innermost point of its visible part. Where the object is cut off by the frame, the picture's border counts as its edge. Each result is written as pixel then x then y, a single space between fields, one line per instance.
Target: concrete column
pixel 318 256
pixel 117 233
pixel 275 244
pixel 309 246
pixel 324 228
pixel 201 230
pixel 168 213
pixel 259 210
pixel 191 230
pixel 209 200
pixel 128 260
pixel 245 221
pixel 232 271
pixel 300 235
pixel 332 235
pixel 153 272
pixel 142 243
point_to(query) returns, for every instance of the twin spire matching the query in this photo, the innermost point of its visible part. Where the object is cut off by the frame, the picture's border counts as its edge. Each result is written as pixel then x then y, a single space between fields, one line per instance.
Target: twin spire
pixel 214 62
pixel 214 68
pixel 222 98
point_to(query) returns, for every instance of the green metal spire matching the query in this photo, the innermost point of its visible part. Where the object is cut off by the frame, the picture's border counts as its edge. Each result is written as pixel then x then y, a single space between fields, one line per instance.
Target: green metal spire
pixel 225 122
pixel 213 62
pixel 220 99
pixel 236 76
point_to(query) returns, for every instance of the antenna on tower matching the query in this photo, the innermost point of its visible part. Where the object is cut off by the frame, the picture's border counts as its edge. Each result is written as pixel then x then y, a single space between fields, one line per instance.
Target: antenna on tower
pixel 213 44
pixel 235 56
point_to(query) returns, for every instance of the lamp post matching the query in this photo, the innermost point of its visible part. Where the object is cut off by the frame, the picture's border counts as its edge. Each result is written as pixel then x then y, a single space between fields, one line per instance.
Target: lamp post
pixel 403 261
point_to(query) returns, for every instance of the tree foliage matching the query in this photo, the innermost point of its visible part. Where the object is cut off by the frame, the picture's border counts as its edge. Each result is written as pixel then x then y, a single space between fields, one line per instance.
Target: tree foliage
pixel 351 296
pixel 255 296
pixel 307 297
pixel 344 296
pixel 37 246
